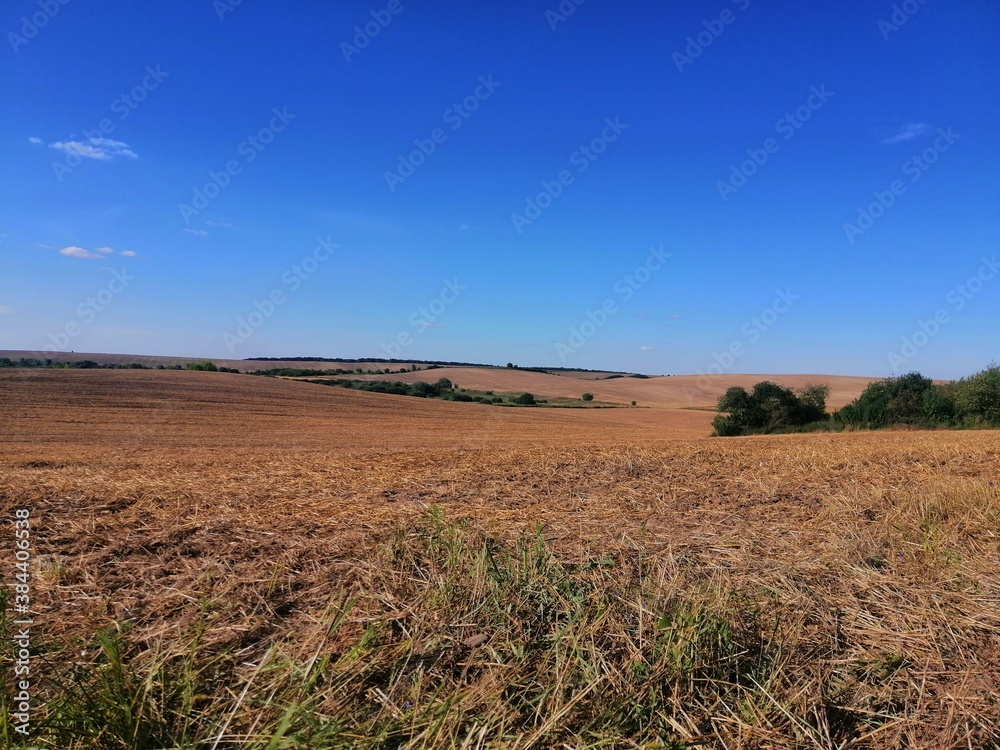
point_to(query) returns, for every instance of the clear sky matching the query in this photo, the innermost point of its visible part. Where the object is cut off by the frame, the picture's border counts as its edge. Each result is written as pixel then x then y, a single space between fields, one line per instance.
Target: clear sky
pixel 660 187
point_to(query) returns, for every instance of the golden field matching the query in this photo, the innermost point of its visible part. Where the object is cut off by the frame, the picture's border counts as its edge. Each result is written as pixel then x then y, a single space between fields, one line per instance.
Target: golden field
pixel 330 568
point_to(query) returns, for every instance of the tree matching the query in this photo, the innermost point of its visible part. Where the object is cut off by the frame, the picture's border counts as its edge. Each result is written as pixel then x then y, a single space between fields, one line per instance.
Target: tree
pixel 587 397
pixel 420 389
pixel 891 401
pixel 510 365
pixel 977 398
pixel 525 399
pixel 206 366
pixel 769 407
pixel 939 404
pixel 743 410
pixel 812 402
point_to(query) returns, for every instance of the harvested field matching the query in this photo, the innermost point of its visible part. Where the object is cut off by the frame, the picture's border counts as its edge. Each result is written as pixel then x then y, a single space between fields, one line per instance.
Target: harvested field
pixel 311 567
pixel 684 391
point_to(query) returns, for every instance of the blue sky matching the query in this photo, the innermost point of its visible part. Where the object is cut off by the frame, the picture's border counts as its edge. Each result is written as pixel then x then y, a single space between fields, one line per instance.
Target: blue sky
pixel 670 188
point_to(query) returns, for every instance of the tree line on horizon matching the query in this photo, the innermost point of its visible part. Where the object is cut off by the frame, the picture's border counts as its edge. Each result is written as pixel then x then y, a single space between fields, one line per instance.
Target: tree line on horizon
pixel 912 400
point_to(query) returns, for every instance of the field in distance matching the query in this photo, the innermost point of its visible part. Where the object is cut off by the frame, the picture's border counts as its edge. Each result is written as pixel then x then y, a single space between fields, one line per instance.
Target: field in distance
pixel 290 565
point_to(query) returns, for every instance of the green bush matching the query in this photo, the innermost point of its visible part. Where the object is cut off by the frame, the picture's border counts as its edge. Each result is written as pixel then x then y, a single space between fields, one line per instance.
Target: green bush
pixel 892 401
pixel 977 398
pixel 587 397
pixel 915 400
pixel 525 399
pixel 205 366
pixel 769 407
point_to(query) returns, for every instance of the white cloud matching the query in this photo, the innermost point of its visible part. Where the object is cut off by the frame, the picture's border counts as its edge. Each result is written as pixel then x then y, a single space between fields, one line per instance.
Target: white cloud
pixel 102 149
pixel 199 232
pixel 5 310
pixel 129 253
pixel 909 131
pixel 646 349
pixel 78 252
pixel 34 139
pixel 105 250
pixel 225 224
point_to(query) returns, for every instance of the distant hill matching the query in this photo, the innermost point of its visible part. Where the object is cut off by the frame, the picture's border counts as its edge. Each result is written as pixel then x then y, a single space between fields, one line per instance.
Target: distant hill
pixel 673 392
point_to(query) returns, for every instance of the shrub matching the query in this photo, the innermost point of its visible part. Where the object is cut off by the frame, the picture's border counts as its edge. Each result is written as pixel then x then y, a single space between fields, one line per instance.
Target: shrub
pixel 420 389
pixel 769 407
pixel 205 366
pixel 892 401
pixel 525 399
pixel 587 397
pixel 977 398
